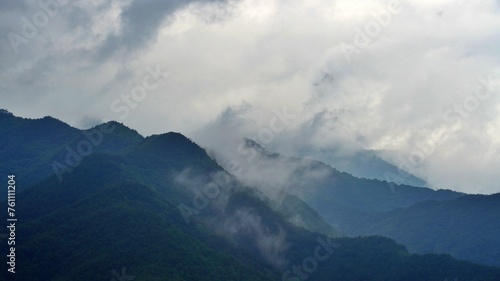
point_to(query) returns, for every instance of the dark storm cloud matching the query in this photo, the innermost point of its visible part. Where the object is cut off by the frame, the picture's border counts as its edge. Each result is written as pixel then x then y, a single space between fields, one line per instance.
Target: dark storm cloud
pixel 141 21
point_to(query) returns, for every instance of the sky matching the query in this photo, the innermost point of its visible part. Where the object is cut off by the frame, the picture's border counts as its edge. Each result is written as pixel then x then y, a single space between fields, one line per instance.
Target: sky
pixel 417 80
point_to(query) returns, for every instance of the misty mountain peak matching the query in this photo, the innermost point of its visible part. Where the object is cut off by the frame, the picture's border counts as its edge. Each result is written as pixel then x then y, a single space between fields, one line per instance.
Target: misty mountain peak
pixel 169 138
pixel 172 143
pixel 118 129
pixel 251 144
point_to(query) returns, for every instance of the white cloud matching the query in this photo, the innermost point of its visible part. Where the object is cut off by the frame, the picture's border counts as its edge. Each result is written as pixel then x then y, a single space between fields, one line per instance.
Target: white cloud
pixel 271 54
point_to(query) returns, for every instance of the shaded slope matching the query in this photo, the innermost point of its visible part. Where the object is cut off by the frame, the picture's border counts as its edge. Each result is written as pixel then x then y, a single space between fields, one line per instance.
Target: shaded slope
pixel 101 227
pixel 467 228
pixel 28 146
pixel 126 225
pixel 122 209
pixel 34 149
pixel 427 221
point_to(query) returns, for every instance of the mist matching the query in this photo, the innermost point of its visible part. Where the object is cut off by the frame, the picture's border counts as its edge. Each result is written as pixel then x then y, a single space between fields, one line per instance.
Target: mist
pixel 215 205
pixel 384 76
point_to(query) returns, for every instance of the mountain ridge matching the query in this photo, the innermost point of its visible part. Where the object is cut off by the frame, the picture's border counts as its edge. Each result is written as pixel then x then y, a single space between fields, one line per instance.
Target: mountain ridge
pixel 121 209
pixel 357 206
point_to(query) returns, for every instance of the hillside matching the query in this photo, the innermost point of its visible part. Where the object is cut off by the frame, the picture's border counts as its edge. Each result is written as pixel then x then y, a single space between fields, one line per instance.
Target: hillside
pixel 163 210
pixel 425 220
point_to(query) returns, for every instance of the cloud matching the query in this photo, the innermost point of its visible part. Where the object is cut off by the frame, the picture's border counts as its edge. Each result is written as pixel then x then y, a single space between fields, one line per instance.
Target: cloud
pixel 141 22
pixel 244 223
pixel 217 205
pixel 391 95
pixel 271 174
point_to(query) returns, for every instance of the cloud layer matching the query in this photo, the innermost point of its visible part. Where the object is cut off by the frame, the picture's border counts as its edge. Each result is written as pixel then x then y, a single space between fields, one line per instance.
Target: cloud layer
pixel 408 77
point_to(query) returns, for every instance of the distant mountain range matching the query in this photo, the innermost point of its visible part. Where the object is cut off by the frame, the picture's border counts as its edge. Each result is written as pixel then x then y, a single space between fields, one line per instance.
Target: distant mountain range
pixel 363 164
pixel 424 220
pixel 109 204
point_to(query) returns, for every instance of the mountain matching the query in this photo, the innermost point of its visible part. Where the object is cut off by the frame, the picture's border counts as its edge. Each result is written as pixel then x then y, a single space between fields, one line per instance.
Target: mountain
pixel 363 164
pixel 327 188
pixel 162 209
pixel 442 227
pixel 100 219
pixel 425 220
pixel 34 149
pixel 28 146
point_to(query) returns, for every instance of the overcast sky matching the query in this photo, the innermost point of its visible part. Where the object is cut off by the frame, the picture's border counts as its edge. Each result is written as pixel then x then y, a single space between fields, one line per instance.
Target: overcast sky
pixel 382 75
